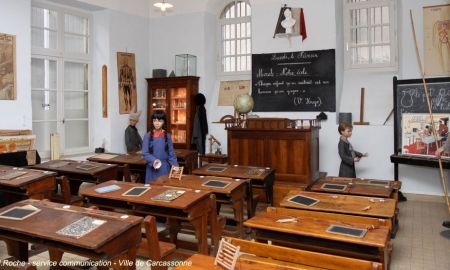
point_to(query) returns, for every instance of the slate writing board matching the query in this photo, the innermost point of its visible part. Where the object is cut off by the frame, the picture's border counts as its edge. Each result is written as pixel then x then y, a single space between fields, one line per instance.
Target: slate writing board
pixel 303 200
pixel 18 213
pixel 328 186
pixel 216 169
pixel 348 231
pixel 136 191
pixel 294 81
pixel 215 183
pixel 87 167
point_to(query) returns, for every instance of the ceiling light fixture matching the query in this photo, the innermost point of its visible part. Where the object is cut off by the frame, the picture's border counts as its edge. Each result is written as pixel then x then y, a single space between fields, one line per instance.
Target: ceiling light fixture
pixel 163 5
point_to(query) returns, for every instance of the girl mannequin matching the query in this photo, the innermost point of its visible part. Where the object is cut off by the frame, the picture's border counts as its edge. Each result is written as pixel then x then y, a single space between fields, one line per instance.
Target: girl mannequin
pixel 157 148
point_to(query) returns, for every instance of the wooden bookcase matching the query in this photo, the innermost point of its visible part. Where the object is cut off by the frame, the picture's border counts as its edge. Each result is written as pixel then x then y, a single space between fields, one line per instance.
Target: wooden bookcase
pixel 175 96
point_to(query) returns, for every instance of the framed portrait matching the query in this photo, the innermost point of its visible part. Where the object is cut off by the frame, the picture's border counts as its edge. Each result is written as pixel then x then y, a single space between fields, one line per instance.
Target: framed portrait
pixel 417 134
pixel 126 68
pixel 8 85
pixel 436 28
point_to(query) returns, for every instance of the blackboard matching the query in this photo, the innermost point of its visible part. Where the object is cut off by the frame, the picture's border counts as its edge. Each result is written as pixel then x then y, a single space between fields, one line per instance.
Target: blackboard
pixel 409 97
pixel 294 81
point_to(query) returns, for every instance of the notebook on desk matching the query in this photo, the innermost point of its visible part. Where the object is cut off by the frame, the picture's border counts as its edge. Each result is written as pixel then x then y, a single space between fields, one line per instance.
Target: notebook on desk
pixel 168 195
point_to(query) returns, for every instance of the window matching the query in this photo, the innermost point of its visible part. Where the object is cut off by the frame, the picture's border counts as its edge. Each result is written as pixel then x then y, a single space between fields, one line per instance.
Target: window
pixel 235 41
pixel 60 63
pixel 370 34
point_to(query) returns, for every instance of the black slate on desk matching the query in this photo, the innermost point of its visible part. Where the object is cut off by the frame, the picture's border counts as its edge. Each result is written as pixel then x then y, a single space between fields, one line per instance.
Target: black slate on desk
pixel 294 81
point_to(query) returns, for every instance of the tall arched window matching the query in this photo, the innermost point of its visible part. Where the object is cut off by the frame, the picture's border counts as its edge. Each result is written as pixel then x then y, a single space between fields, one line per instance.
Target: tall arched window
pixel 235 38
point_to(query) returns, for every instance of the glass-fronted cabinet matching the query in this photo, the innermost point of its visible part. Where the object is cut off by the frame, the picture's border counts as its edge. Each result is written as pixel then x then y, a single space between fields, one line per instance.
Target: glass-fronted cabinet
pixel 175 96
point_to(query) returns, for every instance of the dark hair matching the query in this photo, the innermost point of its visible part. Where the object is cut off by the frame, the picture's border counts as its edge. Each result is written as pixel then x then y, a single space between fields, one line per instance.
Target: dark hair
pixel 343 126
pixel 160 115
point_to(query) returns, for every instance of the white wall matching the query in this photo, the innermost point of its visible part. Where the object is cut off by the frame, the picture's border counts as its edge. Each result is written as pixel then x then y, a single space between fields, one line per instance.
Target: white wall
pixel 15 20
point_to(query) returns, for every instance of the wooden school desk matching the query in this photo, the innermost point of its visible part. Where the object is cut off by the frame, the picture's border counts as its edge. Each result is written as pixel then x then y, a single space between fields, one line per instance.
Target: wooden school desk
pixel 309 232
pixel 71 169
pixel 234 193
pixel 359 186
pixel 33 184
pixel 116 239
pixel 384 208
pixel 192 206
pixel 263 256
pixel 137 163
pixel 261 178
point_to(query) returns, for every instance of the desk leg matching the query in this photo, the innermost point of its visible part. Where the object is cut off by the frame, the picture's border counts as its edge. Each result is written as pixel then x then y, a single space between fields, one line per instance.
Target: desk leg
pixel 215 227
pixel 126 261
pixel 238 206
pixel 55 256
pixel 174 229
pixel 251 206
pixel 17 249
pixel 201 233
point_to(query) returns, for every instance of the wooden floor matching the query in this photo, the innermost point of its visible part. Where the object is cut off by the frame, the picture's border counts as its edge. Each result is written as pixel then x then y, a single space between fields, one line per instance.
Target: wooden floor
pixel 421 241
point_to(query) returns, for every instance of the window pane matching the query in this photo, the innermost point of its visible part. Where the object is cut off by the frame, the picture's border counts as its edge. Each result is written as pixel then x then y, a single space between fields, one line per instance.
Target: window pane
pixel 44 18
pixel 76 24
pixel 249 47
pixel 75 76
pixel 227 48
pixel 76 133
pixel 386 37
pixel 380 54
pixel 227 31
pixel 232 64
pixel 243 63
pixel 75 105
pixel 376 34
pixel 232 11
pixel 359 36
pixel 243 34
pixel 243 44
pixel 360 55
pixel 249 30
pixel 361 17
pixel 238 31
pixel 42 130
pixel 233 29
pixel 238 64
pixel 249 63
pixel 77 44
pixel 43 73
pixel 44 38
pixel 238 49
pixel 232 47
pixel 385 15
pixel 43 105
pixel 376 15
pixel 238 10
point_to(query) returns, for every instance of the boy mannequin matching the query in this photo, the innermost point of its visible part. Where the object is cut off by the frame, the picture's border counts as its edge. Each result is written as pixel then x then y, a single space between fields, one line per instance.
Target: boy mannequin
pixel 348 155
pixel 133 140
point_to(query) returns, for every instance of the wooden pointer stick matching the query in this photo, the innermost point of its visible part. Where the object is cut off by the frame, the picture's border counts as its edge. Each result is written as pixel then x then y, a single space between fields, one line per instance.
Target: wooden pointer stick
pixel 104 91
pixel 441 170
pixel 361 110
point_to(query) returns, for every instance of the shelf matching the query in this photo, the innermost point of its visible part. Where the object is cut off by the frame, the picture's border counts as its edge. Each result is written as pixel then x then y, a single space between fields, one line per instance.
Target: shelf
pixel 176 109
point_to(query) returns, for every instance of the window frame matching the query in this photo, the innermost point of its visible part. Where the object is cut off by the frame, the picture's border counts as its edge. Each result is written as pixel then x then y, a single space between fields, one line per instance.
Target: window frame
pixel 61 56
pixel 220 42
pixel 393 38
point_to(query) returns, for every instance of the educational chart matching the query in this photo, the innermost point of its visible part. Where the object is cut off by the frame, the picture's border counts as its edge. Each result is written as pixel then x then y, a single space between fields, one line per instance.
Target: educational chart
pixel 294 81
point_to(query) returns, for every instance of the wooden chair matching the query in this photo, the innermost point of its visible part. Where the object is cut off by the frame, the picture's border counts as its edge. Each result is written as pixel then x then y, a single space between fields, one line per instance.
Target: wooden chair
pixel 65 196
pixel 124 173
pixel 151 247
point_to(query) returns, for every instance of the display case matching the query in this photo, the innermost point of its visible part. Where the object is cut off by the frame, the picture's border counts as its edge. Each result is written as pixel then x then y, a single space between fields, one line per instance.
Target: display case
pixel 175 96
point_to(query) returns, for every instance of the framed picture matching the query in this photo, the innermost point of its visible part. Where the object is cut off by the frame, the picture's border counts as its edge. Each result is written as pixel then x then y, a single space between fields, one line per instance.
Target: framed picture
pixel 417 134
pixel 126 68
pixel 8 85
pixel 176 172
pixel 436 28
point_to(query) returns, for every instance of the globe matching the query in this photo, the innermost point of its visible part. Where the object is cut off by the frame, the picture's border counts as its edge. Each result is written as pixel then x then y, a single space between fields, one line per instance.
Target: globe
pixel 243 103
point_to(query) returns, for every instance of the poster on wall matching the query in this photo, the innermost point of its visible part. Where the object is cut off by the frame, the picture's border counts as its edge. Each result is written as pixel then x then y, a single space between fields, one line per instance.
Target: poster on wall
pixel 230 89
pixel 7 67
pixel 126 67
pixel 417 135
pixel 436 27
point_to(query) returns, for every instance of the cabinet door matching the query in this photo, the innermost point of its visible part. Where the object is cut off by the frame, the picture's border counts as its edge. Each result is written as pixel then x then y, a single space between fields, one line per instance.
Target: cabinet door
pixel 159 99
pixel 178 104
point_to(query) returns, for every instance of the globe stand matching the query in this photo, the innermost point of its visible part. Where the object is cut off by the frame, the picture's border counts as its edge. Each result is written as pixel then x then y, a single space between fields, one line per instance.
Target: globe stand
pixel 240 119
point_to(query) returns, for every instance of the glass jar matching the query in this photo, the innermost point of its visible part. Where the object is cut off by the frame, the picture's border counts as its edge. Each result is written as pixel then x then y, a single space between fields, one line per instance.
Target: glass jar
pixel 185 65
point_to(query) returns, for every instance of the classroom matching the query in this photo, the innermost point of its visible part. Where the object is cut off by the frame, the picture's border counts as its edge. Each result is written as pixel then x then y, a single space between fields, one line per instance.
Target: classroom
pixel 224 134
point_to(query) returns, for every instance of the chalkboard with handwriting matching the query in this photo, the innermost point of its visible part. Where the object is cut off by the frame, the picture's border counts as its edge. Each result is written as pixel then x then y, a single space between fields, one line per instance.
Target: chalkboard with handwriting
pixel 409 97
pixel 294 81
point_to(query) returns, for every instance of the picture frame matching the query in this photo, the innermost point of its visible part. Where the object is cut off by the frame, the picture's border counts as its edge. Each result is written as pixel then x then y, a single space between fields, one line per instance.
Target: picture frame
pixel 126 74
pixel 8 74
